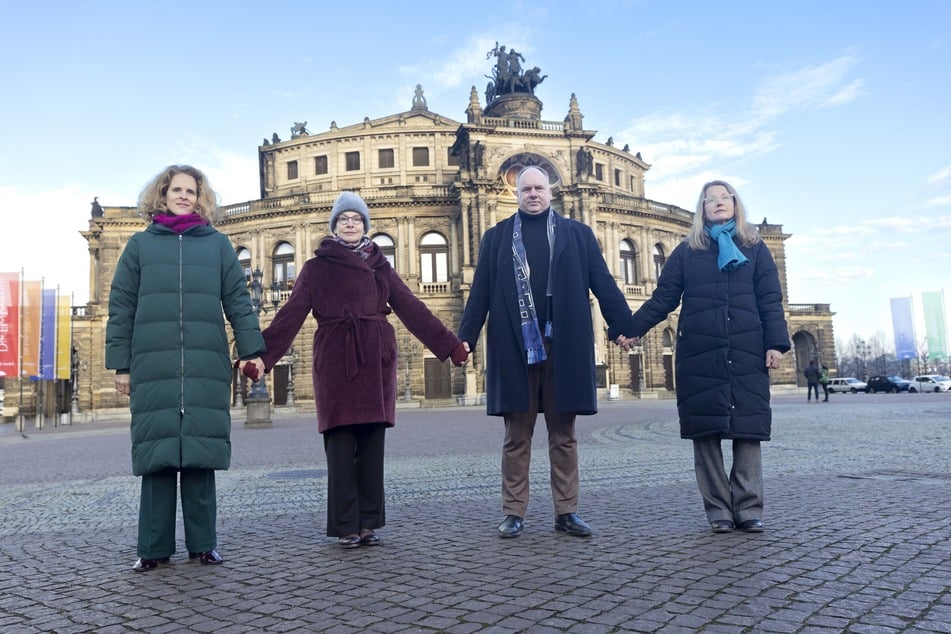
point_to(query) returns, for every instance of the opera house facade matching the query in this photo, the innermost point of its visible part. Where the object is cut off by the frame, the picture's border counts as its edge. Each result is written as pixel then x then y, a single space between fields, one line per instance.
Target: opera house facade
pixel 433 186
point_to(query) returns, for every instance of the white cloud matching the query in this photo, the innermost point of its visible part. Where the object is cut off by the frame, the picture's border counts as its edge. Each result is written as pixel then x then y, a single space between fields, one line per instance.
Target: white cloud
pixel 683 143
pixel 61 258
pixel 940 177
pixel 939 201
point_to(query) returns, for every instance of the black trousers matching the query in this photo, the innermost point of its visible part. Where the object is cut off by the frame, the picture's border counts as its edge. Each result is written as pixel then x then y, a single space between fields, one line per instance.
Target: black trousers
pixel 355 478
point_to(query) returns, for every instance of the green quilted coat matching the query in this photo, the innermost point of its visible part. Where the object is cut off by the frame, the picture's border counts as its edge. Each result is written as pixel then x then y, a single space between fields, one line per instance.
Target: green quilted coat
pixel 169 299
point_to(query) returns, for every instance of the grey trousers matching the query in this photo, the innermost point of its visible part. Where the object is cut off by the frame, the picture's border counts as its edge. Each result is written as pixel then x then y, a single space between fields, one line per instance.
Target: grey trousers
pixel 739 496
pixel 562 448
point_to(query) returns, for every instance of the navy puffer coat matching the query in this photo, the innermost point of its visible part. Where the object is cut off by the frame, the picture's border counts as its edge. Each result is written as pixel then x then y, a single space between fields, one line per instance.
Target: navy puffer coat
pixel 728 320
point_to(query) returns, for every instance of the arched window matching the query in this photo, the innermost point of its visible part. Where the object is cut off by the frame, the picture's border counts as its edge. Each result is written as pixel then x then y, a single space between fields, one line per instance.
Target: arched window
pixel 434 256
pixel 659 260
pixel 387 247
pixel 244 259
pixel 283 259
pixel 628 262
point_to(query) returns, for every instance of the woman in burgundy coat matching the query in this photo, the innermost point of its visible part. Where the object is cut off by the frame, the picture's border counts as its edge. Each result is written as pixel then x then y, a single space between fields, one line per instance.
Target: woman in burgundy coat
pixel 350 288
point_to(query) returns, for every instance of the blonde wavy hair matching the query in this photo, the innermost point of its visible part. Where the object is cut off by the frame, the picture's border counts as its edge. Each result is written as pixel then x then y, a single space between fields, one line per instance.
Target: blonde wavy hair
pixel 152 198
pixel 747 233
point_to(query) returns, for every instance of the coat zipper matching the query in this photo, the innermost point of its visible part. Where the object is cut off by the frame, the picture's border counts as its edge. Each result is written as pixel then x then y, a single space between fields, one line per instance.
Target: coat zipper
pixel 181 327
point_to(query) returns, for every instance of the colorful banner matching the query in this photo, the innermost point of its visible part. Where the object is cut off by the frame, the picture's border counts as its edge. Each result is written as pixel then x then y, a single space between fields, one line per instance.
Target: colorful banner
pixel 903 325
pixel 935 327
pixel 9 324
pixel 64 328
pixel 30 325
pixel 48 335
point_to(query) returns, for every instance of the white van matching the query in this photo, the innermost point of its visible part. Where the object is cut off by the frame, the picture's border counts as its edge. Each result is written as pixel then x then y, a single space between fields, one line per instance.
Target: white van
pixel 847 384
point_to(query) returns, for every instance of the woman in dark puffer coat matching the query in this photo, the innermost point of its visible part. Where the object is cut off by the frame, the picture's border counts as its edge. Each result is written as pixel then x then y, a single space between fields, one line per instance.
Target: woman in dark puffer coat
pixel 174 285
pixel 731 332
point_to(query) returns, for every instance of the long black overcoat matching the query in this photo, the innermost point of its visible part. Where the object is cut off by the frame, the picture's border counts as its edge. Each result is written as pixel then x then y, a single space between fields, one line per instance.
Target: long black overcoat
pixel 577 267
pixel 727 323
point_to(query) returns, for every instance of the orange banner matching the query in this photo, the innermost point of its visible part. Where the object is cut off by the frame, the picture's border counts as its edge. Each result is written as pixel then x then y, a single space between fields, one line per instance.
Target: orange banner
pixel 30 323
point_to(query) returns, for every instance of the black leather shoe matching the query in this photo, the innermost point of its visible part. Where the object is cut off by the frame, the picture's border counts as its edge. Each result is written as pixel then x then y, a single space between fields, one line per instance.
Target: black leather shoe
pixel 751 526
pixel 572 524
pixel 511 526
pixel 370 539
pixel 207 558
pixel 721 526
pixel 350 541
pixel 144 565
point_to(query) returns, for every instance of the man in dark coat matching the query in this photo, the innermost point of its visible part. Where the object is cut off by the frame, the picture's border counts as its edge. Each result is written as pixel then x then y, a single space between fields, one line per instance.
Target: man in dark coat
pixel 532 280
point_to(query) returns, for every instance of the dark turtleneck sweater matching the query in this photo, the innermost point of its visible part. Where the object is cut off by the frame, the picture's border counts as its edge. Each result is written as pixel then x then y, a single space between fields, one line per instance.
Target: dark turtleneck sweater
pixel 535 239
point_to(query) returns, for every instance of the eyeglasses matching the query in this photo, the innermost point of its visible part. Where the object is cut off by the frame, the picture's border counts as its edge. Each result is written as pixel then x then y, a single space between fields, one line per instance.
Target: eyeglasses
pixel 350 220
pixel 725 198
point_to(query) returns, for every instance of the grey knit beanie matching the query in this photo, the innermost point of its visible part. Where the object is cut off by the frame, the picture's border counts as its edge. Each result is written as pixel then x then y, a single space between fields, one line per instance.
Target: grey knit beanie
pixel 348 201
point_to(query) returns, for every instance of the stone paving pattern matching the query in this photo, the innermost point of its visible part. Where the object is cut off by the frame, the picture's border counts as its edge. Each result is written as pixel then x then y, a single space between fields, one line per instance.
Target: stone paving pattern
pixel 858 531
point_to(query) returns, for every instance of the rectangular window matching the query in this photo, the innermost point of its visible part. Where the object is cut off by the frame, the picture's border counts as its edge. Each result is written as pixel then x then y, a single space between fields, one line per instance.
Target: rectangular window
pixel 420 156
pixel 320 165
pixel 292 170
pixel 452 159
pixel 353 161
pixel 386 159
pixel 617 178
pixel 599 171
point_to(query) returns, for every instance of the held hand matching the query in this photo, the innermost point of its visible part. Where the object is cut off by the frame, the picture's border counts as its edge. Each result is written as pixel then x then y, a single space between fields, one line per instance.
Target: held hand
pixel 251 368
pixel 122 384
pixel 774 359
pixel 466 345
pixel 460 354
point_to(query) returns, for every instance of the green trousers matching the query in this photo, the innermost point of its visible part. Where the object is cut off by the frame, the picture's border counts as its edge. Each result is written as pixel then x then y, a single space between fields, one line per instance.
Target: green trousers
pixel 158 506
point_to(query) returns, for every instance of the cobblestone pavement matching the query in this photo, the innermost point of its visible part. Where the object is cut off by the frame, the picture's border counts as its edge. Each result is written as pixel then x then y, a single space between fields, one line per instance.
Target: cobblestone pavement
pixel 858 539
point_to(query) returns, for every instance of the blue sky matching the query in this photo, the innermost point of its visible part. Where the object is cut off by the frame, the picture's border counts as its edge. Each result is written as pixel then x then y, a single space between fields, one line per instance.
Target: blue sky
pixel 830 118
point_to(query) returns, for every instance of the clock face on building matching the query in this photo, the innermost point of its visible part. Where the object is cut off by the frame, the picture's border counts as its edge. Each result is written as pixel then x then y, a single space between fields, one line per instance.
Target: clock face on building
pixel 515 164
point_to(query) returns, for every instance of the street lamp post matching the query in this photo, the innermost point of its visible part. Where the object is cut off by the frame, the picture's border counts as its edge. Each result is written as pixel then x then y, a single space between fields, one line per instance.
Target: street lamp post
pixel 258 401
pixel 408 349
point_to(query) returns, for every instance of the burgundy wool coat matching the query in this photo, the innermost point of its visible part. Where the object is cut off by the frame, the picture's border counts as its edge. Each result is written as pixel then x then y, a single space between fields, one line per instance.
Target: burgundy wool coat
pixel 354 357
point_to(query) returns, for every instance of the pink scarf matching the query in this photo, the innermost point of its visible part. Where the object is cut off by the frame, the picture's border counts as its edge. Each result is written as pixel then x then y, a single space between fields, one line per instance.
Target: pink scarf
pixel 179 224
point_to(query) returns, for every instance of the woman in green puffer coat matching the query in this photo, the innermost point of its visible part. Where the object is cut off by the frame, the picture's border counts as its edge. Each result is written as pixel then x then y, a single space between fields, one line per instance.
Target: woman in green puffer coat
pixel 174 285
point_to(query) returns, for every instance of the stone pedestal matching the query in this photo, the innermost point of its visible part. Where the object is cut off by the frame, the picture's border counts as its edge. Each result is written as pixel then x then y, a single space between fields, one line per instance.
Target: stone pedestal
pixel 259 412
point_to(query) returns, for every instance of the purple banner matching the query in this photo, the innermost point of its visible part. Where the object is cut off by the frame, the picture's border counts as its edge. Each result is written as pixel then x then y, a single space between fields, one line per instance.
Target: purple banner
pixel 48 336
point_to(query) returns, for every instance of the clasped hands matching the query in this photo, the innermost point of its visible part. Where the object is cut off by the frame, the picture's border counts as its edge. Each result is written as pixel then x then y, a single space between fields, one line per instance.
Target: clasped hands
pixel 251 368
pixel 627 343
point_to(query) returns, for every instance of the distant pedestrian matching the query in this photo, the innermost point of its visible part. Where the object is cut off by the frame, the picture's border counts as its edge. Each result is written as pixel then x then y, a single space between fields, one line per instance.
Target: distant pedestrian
pixel 824 382
pixel 812 381
pixel 174 285
pixel 350 288
pixel 731 333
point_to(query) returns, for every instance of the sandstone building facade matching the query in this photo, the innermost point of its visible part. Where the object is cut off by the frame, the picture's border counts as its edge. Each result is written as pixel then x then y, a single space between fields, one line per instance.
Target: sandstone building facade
pixel 433 186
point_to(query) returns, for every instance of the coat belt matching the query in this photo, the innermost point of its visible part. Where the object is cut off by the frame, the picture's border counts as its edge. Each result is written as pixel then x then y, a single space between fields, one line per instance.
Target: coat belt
pixel 354 349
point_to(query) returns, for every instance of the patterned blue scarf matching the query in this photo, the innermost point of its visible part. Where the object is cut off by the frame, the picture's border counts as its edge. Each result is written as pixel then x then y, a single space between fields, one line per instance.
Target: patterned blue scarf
pixel 730 258
pixel 532 340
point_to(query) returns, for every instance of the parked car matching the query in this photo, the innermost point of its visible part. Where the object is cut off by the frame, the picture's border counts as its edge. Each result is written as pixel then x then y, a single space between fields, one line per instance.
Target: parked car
pixel 847 384
pixel 892 384
pixel 930 383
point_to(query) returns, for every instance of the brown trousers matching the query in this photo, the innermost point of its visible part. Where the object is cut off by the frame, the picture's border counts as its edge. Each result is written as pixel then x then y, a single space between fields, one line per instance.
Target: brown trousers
pixel 562 448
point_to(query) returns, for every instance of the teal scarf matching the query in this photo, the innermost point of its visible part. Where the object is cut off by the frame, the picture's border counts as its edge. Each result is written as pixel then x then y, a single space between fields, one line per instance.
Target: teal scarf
pixel 730 258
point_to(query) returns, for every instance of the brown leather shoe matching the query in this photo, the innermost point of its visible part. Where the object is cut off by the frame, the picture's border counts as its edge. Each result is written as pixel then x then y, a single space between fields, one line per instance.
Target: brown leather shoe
pixel 144 565
pixel 207 558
